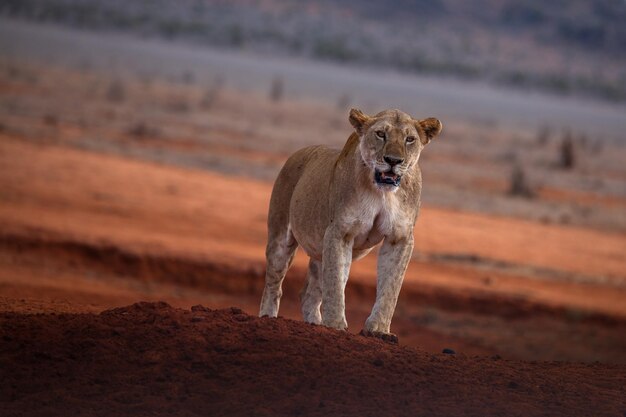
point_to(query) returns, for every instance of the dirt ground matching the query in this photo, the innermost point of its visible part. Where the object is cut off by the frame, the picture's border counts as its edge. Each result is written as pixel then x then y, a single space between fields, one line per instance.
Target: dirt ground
pixel 119 230
pixel 152 359
pixel 157 190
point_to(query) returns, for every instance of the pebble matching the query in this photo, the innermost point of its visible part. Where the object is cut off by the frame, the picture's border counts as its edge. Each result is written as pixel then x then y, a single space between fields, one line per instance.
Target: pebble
pixel 448 351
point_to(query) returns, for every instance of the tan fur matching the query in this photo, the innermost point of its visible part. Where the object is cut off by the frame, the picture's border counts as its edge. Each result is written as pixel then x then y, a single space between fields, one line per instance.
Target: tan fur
pixel 328 202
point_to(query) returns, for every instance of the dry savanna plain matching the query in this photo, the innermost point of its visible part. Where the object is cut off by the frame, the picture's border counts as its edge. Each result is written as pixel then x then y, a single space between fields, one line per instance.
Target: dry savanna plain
pixel 124 187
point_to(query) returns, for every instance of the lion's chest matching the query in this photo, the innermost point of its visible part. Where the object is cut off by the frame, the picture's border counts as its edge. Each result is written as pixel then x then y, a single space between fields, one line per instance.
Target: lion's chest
pixel 373 219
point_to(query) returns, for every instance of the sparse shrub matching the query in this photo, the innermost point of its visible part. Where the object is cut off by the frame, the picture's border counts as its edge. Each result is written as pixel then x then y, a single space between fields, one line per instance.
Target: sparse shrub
pixel 170 28
pixel 556 82
pixel 142 130
pixel 173 28
pixel 421 63
pixel 177 105
pixel 522 15
pixel 116 92
pixel 334 49
pixel 12 71
pixel 543 136
pixel 235 35
pixel 591 35
pixel 146 79
pixel 212 94
pixel 596 146
pixel 508 157
pixel 343 102
pixel 50 120
pixel 21 74
pixel 188 77
pixel 566 152
pixel 519 186
pixel 277 89
pixel 85 65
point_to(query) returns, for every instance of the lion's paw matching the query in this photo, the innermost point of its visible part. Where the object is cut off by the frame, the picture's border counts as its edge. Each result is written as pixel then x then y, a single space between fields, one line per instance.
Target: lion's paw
pixel 340 324
pixel 387 337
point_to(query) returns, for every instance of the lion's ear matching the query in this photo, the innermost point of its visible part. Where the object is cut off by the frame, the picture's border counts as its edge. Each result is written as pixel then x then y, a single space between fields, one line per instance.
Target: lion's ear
pixel 431 127
pixel 358 120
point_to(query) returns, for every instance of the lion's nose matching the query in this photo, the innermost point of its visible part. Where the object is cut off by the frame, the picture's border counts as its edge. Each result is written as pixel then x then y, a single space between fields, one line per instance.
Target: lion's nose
pixel 392 160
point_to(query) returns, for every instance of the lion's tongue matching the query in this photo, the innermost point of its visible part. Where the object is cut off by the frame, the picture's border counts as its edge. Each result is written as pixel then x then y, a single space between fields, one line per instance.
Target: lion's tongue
pixel 388 175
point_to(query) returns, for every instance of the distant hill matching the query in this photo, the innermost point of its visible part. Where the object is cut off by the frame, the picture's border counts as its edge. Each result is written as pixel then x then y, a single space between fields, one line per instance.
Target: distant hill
pixel 565 47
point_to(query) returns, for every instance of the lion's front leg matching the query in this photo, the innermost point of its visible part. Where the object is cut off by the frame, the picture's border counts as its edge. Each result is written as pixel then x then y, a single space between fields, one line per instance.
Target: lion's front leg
pixel 336 260
pixel 393 260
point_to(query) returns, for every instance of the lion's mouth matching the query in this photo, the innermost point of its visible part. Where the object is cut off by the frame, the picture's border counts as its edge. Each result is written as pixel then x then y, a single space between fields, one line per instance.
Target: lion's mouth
pixel 387 178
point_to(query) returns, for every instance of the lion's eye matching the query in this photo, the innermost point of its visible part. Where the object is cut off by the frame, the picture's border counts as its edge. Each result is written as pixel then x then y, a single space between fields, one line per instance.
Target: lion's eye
pixel 410 139
pixel 380 134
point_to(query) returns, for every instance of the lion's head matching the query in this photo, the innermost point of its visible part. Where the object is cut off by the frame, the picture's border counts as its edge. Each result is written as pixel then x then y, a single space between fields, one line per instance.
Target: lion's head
pixel 390 143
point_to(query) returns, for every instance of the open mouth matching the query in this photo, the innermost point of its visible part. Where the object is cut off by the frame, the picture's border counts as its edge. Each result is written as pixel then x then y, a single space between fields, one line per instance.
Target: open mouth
pixel 387 178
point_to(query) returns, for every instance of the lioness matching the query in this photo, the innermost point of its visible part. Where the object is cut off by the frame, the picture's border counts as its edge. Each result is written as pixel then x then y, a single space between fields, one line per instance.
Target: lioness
pixel 338 205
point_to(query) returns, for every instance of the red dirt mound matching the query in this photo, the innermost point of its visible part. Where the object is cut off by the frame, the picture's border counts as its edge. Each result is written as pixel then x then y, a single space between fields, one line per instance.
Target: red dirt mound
pixel 152 359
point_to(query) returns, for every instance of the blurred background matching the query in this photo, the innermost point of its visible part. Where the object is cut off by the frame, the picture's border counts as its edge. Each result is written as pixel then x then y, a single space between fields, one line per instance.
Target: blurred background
pixel 139 141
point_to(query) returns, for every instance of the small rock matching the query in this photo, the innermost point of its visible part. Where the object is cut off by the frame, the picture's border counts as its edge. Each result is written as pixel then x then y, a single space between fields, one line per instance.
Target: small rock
pixel 236 310
pixel 199 307
pixel 496 357
pixel 448 351
pixel 378 362
pixel 196 319
pixel 513 385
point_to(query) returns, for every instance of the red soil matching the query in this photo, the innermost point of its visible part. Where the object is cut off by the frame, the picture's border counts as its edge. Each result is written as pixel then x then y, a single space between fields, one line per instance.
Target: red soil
pixel 93 199
pixel 152 359
pixel 84 232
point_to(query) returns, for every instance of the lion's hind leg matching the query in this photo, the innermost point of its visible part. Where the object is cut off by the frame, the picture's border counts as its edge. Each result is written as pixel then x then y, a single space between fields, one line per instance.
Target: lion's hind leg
pixel 311 295
pixel 281 248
